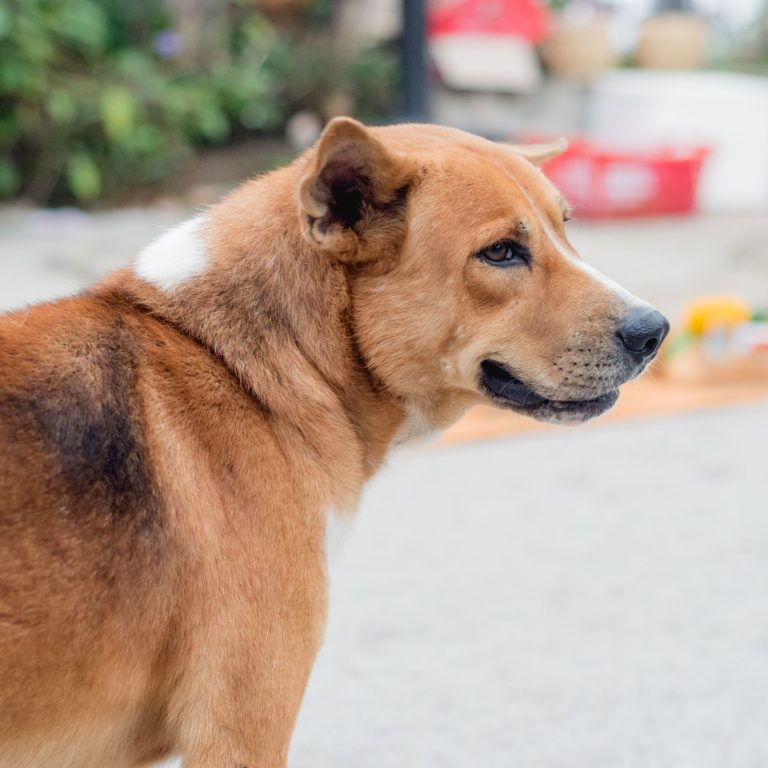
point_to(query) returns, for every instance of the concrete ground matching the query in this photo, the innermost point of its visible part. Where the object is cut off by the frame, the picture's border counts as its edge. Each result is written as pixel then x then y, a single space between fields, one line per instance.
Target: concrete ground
pixel 591 598
pixel 585 598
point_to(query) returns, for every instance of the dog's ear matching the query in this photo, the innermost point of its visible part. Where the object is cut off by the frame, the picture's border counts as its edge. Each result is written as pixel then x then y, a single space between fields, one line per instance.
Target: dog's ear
pixel 538 154
pixel 351 197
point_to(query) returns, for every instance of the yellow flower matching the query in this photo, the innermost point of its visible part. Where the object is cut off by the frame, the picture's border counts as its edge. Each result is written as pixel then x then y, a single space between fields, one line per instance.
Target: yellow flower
pixel 709 312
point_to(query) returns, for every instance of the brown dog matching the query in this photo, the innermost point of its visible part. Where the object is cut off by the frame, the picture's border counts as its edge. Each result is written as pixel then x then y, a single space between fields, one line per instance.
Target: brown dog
pixel 177 443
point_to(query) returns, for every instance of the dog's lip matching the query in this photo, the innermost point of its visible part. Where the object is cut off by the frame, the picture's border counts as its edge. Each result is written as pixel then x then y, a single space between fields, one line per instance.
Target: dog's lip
pixel 502 385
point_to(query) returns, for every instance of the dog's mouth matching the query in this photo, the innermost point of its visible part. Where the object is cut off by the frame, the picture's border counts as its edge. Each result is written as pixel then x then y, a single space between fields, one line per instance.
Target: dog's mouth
pixel 506 389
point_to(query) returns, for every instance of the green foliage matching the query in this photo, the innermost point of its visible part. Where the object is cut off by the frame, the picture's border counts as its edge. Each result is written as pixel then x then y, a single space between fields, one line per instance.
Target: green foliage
pixel 371 79
pixel 99 96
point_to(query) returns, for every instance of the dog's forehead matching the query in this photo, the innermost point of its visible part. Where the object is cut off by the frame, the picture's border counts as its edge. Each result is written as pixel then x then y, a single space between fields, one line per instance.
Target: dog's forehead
pixel 490 174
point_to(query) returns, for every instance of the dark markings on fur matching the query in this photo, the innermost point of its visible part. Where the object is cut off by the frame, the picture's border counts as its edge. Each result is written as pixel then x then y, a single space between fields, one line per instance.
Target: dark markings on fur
pixel 396 206
pixel 372 214
pixel 89 419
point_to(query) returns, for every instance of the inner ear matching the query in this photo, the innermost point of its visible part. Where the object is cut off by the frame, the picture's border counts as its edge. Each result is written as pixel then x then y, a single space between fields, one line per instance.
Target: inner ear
pixel 344 186
pixel 351 193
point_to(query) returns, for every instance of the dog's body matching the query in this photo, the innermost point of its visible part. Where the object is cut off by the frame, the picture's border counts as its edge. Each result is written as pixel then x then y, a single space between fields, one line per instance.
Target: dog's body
pixel 178 443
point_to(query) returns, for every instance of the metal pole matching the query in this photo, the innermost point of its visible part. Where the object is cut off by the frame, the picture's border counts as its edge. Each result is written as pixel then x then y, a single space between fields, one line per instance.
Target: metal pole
pixel 414 61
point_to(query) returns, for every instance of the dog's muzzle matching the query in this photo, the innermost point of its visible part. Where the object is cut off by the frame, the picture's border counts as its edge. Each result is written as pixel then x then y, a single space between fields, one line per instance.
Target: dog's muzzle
pixel 503 387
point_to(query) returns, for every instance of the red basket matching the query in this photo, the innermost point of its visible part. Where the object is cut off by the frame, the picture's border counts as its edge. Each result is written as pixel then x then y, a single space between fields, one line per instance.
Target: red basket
pixel 602 183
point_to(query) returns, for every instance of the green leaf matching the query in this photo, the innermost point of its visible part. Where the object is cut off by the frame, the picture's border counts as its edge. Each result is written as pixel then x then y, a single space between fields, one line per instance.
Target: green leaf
pixel 5 21
pixel 61 106
pixel 212 123
pixel 81 24
pixel 10 129
pixel 10 179
pixel 118 113
pixel 83 177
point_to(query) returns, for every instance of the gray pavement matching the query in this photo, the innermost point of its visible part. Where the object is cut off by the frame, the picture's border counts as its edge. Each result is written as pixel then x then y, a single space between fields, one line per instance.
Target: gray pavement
pixel 593 597
pixel 587 598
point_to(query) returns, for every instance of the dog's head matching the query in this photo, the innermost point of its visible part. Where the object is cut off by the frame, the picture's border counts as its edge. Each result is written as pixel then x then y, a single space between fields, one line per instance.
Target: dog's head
pixel 464 285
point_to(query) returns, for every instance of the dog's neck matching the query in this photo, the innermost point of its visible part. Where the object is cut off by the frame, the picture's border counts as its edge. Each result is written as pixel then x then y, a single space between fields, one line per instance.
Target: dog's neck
pixel 241 281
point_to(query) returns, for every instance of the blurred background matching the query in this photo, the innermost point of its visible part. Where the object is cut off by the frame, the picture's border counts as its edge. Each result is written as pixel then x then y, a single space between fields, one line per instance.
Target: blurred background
pixel 514 595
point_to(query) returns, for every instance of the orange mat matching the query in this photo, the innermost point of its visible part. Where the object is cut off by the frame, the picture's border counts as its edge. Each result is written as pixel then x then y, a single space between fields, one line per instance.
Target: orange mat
pixel 649 396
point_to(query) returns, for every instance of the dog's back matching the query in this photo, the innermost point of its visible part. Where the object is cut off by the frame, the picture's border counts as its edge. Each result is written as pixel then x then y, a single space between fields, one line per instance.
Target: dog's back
pixel 81 514
pixel 130 457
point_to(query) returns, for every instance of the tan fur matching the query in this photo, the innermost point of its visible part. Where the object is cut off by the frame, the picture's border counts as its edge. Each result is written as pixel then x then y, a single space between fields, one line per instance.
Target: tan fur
pixel 168 458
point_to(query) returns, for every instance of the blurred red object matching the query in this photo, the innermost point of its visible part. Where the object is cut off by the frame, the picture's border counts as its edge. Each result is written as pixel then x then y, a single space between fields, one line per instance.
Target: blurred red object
pixel 603 183
pixel 526 19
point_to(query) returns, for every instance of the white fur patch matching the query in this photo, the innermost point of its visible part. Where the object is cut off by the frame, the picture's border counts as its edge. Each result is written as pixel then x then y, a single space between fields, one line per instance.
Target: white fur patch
pixel 629 298
pixel 415 427
pixel 338 527
pixel 174 257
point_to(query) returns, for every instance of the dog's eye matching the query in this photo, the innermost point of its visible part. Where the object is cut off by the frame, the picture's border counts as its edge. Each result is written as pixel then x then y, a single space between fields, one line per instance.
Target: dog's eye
pixel 505 253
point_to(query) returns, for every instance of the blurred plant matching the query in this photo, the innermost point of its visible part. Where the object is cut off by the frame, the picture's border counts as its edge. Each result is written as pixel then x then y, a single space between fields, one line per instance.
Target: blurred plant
pixel 96 97
pixel 748 47
pixel 372 77
pixel 311 79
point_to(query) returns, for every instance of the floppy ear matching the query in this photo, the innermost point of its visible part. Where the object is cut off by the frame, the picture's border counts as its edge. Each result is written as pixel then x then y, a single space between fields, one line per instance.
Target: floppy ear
pixel 351 198
pixel 538 154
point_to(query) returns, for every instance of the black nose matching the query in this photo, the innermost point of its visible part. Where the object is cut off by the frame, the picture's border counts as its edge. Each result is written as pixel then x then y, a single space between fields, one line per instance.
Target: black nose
pixel 642 330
